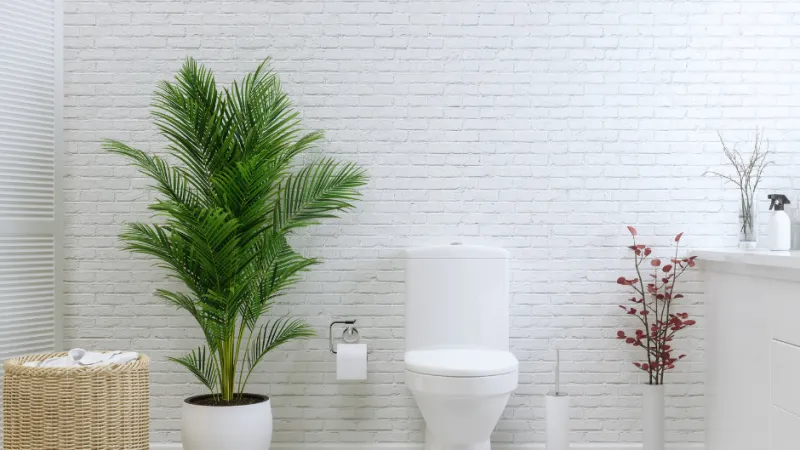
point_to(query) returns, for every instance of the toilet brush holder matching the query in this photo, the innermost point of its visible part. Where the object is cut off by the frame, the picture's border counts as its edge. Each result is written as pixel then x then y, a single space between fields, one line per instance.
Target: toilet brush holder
pixel 557 413
pixel 557 421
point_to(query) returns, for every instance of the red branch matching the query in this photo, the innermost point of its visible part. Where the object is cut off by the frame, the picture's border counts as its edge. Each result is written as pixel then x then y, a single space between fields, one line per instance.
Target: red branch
pixel 653 305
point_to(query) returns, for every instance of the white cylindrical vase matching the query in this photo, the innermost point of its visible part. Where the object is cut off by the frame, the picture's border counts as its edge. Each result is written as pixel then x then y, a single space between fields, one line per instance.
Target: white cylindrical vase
pixel 242 427
pixel 557 421
pixel 653 416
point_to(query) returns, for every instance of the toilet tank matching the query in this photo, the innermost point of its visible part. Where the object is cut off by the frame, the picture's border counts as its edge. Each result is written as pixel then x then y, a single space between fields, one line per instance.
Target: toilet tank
pixel 456 297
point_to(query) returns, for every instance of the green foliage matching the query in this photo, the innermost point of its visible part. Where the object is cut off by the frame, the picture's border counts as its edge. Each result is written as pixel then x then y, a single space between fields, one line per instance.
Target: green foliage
pixel 225 210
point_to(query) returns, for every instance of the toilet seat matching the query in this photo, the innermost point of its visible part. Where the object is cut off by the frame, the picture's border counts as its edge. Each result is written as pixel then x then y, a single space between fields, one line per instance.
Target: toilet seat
pixel 461 363
pixel 473 387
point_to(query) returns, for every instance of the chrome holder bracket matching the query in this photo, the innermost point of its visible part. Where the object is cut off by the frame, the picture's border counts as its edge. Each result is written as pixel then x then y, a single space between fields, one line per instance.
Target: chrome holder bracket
pixel 350 334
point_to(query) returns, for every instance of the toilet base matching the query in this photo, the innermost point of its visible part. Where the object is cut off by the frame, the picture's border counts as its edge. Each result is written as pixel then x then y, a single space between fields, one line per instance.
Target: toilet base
pixel 431 443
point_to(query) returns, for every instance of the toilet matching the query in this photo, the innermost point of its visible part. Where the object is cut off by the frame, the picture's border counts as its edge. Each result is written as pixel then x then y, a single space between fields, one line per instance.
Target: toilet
pixel 458 367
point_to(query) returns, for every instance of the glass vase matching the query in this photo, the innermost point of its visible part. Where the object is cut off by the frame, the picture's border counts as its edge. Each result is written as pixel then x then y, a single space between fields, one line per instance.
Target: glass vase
pixel 748 227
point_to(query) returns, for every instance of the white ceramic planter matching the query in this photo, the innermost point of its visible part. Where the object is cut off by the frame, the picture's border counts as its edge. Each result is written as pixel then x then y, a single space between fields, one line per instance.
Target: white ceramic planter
pixel 653 416
pixel 246 427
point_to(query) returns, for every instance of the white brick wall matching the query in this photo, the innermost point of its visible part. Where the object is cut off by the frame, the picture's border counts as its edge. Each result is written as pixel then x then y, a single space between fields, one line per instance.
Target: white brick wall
pixel 540 126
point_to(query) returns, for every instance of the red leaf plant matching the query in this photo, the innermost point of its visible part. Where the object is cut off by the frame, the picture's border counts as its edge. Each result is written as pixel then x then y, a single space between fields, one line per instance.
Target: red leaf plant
pixel 652 306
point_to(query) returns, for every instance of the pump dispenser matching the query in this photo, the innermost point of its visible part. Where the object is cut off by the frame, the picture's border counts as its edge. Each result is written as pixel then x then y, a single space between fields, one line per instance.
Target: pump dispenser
pixel 779 231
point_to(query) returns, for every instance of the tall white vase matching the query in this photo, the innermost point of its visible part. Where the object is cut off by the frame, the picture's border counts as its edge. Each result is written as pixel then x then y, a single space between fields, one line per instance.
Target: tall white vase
pixel 653 416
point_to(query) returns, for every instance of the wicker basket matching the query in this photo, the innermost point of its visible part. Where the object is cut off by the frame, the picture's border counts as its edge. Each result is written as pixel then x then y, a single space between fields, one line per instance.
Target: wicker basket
pixel 86 408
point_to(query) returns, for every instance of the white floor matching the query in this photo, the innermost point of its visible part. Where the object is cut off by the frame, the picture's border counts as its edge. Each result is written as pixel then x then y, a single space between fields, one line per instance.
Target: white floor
pixel 312 446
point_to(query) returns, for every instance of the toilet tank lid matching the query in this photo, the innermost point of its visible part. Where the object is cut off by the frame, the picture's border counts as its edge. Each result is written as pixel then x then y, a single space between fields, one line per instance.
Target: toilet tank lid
pixel 456 251
pixel 466 362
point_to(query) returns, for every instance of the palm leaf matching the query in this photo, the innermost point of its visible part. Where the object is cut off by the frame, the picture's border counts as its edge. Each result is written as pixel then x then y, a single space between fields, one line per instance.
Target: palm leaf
pixel 270 336
pixel 170 181
pixel 279 268
pixel 203 365
pixel 207 317
pixel 317 192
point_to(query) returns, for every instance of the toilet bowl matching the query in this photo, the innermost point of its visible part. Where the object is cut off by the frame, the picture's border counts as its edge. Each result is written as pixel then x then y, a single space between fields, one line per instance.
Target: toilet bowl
pixel 458 367
pixel 461 394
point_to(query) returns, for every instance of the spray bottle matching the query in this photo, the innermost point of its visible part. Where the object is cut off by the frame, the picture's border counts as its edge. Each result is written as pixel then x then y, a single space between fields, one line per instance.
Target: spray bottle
pixel 794 214
pixel 779 231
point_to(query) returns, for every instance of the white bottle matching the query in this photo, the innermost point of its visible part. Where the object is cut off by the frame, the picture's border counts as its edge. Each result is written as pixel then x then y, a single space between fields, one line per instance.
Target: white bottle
pixel 795 216
pixel 779 231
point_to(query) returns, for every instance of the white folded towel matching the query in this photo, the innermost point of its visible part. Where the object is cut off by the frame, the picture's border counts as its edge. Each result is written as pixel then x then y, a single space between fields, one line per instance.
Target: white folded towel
pixel 78 357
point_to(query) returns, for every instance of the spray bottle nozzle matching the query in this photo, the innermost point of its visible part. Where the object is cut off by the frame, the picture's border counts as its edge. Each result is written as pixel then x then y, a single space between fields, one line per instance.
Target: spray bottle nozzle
pixel 777 201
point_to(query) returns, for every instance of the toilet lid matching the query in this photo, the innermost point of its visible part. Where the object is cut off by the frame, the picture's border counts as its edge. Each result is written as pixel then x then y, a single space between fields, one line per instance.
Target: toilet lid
pixel 461 362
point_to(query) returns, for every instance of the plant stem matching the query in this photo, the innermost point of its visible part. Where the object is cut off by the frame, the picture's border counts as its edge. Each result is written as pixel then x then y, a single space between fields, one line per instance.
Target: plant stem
pixel 637 262
pixel 238 350
pixel 747 213
pixel 668 291
pixel 655 302
pixel 241 372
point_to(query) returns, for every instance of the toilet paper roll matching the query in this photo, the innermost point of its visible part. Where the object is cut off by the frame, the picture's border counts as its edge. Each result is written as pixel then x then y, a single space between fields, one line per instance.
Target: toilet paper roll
pixel 557 421
pixel 351 362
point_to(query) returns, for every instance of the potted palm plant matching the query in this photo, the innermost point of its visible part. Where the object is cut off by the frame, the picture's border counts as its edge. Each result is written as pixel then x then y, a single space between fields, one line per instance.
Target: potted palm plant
pixel 230 194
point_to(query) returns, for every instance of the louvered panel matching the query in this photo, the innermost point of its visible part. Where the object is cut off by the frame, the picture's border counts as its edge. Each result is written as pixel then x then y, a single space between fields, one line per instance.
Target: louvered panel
pixel 27 109
pixel 27 294
pixel 23 23
pixel 31 133
pixel 26 84
pixel 19 106
pixel 25 148
pixel 23 90
pixel 30 105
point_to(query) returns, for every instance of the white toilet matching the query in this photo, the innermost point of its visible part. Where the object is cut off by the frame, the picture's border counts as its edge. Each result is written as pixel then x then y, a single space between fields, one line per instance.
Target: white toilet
pixel 458 366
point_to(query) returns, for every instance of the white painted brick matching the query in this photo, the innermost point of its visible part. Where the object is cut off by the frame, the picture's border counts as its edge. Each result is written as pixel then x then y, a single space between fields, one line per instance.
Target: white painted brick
pixel 543 127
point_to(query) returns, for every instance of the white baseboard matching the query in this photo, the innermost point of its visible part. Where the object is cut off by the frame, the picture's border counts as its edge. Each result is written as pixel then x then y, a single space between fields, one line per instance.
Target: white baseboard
pixel 312 446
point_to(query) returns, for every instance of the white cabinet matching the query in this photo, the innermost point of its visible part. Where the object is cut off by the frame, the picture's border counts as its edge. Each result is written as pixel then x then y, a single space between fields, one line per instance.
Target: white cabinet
pixel 785 377
pixel 785 430
pixel 752 349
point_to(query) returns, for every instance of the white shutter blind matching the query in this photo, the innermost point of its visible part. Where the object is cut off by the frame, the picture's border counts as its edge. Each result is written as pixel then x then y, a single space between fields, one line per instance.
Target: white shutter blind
pixel 30 225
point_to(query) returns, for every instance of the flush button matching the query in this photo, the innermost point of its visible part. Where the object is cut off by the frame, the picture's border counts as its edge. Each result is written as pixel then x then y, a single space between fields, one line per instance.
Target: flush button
pixel 455 243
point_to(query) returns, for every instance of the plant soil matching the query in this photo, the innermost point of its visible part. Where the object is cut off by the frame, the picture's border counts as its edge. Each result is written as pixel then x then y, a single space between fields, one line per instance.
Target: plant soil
pixel 210 400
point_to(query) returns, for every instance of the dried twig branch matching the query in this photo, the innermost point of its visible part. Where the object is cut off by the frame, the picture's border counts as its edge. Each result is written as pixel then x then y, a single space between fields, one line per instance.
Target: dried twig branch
pixel 748 175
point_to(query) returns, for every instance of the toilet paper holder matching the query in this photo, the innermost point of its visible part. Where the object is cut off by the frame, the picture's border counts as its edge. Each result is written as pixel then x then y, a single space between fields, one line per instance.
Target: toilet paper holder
pixel 349 335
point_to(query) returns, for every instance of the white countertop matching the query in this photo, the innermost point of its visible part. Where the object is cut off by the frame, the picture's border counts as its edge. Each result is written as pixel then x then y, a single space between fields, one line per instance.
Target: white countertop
pixel 756 257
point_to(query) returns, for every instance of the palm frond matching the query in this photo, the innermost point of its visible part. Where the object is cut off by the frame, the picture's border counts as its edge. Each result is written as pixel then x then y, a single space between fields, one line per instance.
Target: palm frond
pixel 209 316
pixel 316 192
pixel 191 113
pixel 278 268
pixel 170 181
pixel 272 335
pixel 154 240
pixel 180 300
pixel 203 365
pixel 262 112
